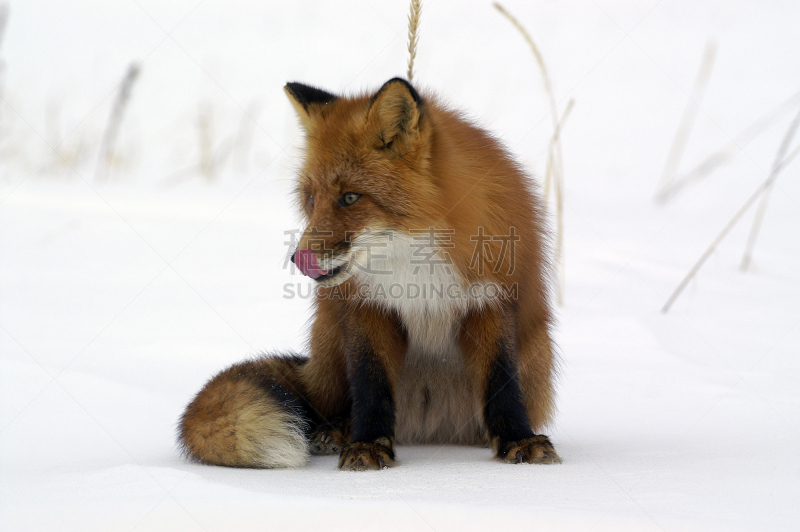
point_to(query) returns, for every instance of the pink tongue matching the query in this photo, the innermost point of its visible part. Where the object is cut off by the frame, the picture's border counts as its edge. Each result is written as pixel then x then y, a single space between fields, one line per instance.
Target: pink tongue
pixel 306 261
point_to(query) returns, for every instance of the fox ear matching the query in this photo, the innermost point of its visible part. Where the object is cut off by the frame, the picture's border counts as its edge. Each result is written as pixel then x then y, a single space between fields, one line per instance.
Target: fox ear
pixel 395 112
pixel 307 101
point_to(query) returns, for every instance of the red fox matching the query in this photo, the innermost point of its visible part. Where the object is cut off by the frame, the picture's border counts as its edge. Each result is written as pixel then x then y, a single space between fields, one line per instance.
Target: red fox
pixel 427 248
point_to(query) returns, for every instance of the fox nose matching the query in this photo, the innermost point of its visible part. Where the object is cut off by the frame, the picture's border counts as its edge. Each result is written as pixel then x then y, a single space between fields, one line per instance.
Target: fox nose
pixel 306 262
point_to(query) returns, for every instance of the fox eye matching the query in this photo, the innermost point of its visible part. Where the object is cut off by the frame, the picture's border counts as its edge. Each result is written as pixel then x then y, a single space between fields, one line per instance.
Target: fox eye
pixel 348 199
pixel 311 200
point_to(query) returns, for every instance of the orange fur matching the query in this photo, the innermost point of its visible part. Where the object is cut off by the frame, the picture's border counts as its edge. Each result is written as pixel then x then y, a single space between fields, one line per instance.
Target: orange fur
pixel 415 165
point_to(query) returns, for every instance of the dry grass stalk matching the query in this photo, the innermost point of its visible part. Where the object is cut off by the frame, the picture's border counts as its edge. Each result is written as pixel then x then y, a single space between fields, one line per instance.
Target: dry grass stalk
pixel 687 120
pixel 777 164
pixel 231 152
pixel 789 158
pixel 719 158
pixel 243 143
pixel 413 35
pixel 66 152
pixel 554 173
pixel 206 160
pixel 559 195
pixel 766 185
pixel 108 144
pixel 554 140
pixel 3 22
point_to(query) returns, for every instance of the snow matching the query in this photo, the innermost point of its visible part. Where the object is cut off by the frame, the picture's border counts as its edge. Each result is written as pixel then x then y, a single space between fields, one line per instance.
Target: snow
pixel 118 299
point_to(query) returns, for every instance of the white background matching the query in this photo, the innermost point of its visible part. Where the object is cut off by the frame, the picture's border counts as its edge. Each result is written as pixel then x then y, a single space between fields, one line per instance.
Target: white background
pixel 119 297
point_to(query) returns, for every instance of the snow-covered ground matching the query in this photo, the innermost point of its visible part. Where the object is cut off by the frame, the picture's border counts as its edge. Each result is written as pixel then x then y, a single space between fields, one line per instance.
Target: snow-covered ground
pixel 120 296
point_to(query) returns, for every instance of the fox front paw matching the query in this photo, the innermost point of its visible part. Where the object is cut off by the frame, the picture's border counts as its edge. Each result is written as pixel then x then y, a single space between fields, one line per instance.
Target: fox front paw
pixel 533 450
pixel 327 441
pixel 362 456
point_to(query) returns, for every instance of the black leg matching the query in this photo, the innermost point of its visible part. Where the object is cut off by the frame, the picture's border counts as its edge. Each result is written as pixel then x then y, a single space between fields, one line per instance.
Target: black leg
pixel 373 404
pixel 505 415
pixel 372 419
pixel 504 410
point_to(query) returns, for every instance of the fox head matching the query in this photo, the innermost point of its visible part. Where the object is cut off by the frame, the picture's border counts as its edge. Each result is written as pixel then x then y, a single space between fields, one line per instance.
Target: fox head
pixel 364 178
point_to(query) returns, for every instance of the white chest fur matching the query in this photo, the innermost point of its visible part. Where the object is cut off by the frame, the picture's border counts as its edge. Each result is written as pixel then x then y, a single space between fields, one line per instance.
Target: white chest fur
pixel 435 397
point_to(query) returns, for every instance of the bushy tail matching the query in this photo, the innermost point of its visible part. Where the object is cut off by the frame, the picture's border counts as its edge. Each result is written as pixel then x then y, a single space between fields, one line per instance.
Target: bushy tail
pixel 249 415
